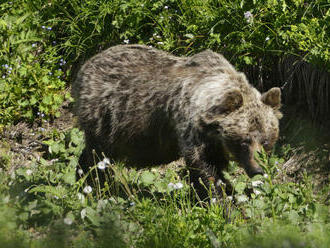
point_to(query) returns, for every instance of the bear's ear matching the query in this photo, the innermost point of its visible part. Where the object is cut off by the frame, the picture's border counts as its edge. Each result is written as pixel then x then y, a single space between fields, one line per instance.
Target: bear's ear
pixel 272 98
pixel 229 102
pixel 232 100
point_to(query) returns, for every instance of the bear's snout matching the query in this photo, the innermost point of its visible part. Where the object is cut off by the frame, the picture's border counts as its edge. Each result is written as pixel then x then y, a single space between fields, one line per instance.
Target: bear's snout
pixel 247 160
pixel 253 169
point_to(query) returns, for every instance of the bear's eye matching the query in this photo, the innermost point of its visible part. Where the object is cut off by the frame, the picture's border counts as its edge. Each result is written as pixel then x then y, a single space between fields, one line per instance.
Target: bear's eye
pixel 267 146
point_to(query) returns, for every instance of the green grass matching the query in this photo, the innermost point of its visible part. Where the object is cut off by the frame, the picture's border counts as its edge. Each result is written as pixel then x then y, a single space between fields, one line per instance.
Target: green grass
pixel 42 43
pixel 43 205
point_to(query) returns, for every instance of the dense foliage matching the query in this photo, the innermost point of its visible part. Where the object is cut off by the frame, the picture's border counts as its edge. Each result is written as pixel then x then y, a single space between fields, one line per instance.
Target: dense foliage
pixel 39 38
pixel 42 43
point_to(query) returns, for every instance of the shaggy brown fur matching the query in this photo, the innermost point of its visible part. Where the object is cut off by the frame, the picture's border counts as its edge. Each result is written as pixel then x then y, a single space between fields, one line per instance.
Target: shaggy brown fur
pixel 149 107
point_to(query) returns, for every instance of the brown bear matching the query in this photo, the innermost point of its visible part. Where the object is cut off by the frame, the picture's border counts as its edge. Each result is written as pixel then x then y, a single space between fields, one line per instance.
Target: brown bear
pixel 148 107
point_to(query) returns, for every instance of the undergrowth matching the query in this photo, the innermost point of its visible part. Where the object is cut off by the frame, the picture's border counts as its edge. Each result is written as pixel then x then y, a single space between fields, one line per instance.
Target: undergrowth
pixel 42 203
pixel 42 43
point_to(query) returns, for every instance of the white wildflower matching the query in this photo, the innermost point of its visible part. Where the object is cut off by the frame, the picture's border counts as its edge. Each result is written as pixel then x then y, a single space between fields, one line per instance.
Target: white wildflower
pixel 256 192
pixel 80 172
pixel 257 183
pixel 265 175
pixel 241 198
pixel 83 213
pixel 88 189
pixel 267 38
pixel 160 43
pixel 106 161
pixel 170 185
pixel 101 165
pixel 214 200
pixel 248 16
pixel 178 186
pixel 175 185
pixel 29 172
pixel 126 41
pixel 230 198
pixel 68 221
pixel 80 196
pixel 166 7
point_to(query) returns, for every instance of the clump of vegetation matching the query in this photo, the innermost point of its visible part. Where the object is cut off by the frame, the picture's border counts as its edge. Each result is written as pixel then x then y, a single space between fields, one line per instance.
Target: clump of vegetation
pixel 41 40
pixel 41 202
pixel 150 208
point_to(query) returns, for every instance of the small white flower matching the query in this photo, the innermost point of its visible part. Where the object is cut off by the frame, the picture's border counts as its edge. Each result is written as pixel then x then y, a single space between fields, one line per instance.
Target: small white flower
pixel 106 161
pixel 241 198
pixel 175 185
pixel 265 175
pixel 170 185
pixel 126 41
pixel 257 183
pixel 34 44
pixel 166 7
pixel 220 183
pixel 256 192
pixel 267 38
pixel 160 43
pixel 101 165
pixel 230 198
pixel 68 221
pixel 132 203
pixel 88 189
pixel 248 16
pixel 29 172
pixel 80 196
pixel 214 200
pixel 178 186
pixel 83 213
pixel 80 172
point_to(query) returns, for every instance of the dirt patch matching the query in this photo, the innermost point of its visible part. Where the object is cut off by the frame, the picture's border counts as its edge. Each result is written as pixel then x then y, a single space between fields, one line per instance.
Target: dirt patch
pixel 23 142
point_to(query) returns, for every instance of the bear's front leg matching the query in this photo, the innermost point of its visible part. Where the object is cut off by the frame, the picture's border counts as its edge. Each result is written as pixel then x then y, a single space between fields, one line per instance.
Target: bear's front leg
pixel 205 170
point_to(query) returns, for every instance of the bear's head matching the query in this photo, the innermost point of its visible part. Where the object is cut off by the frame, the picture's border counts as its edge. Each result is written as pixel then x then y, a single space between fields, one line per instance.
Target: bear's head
pixel 243 121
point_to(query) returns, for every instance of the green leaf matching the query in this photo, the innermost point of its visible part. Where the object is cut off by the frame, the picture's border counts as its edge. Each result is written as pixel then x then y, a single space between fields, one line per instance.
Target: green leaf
pixel 58 191
pixel 240 187
pixel 70 177
pixel 93 216
pixel 248 60
pixel 147 178
pixel 54 148
pixel 47 99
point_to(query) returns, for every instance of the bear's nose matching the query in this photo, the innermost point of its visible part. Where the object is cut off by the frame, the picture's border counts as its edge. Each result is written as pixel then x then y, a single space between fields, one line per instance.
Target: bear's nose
pixel 256 171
